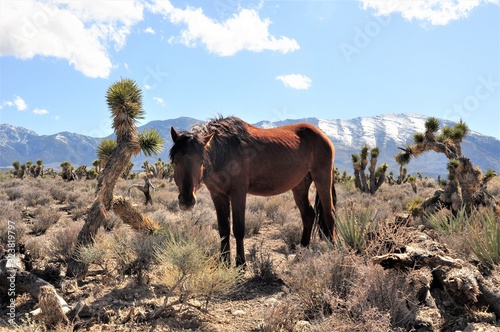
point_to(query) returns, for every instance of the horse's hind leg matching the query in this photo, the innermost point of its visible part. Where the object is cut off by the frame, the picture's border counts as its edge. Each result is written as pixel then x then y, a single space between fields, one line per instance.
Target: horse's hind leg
pixel 326 192
pixel 301 196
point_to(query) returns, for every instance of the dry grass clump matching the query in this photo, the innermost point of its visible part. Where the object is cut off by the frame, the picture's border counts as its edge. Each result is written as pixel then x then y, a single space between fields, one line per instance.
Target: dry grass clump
pixel 45 217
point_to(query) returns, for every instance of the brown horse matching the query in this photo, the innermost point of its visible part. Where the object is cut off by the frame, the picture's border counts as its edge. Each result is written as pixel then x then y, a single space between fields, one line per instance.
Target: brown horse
pixel 234 158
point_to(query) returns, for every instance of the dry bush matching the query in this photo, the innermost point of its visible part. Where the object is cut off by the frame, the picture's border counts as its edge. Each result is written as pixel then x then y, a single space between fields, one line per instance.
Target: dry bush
pixel 276 209
pixel 387 291
pixel 13 193
pixel 291 234
pixel 315 279
pixel 58 193
pixel 33 195
pixel 45 217
pixel 262 264
pixel 190 267
pixel 253 222
pixel 256 204
pixel 11 224
pixel 61 245
pixel 283 317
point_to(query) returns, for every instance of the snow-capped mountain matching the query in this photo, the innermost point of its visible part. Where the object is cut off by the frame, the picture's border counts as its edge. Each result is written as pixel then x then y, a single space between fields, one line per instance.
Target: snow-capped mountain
pixel 388 132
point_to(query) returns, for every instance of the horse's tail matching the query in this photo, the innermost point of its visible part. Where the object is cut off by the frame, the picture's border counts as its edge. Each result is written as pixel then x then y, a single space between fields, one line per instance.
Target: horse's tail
pixel 324 230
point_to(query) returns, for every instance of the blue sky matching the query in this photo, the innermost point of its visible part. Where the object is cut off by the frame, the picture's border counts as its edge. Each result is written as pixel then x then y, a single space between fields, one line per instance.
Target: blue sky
pixel 259 60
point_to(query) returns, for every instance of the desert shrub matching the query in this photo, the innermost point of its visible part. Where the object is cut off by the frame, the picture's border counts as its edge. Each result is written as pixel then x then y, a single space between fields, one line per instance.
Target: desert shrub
pixel 13 193
pixel 414 206
pixel 193 271
pixel 262 264
pixel 291 234
pixel 484 239
pixel 255 204
pixel 62 242
pixel 36 247
pixel 387 291
pixel 276 210
pixel 90 255
pixel 58 193
pixel 253 222
pixel 34 196
pixel 11 229
pixel 44 219
pixel 316 279
pixel 282 317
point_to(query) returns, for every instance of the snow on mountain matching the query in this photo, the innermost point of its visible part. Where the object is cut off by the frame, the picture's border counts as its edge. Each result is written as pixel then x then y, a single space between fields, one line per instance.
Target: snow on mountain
pixel 388 132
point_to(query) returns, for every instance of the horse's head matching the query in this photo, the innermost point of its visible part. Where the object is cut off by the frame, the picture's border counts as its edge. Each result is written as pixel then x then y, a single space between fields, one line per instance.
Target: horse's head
pixel 187 155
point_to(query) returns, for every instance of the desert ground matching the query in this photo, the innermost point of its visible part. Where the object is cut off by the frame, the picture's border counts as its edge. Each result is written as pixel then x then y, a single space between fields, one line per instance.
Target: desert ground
pixel 171 279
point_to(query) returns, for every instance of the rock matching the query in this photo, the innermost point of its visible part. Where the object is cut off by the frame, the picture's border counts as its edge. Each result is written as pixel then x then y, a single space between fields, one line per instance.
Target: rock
pixel 237 312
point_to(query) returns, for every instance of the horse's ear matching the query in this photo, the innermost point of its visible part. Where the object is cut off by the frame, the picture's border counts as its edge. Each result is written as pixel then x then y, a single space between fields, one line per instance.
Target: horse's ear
pixel 207 139
pixel 174 134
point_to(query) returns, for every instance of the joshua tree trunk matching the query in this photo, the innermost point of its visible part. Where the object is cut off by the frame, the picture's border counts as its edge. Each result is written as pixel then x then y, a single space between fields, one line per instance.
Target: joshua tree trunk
pixel 127 145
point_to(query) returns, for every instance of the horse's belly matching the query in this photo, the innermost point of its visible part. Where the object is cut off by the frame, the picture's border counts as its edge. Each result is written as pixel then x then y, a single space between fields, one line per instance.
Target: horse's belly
pixel 275 185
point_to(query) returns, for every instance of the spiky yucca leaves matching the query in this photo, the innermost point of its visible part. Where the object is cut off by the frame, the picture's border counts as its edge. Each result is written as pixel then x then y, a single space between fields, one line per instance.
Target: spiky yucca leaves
pixel 124 99
pixel 151 142
pixel 104 149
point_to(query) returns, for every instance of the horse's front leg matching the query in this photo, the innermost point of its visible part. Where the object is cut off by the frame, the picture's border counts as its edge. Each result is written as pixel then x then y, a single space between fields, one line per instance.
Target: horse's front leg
pixel 238 203
pixel 221 203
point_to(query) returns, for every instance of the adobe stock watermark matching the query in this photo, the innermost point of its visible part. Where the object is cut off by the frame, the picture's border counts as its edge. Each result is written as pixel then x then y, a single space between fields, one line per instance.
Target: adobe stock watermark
pixel 485 88
pixel 11 272
pixel 364 36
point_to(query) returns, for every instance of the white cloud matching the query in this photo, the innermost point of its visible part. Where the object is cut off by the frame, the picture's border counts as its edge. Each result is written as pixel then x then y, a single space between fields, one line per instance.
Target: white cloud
pixel 295 81
pixel 79 32
pixel 57 117
pixel 19 103
pixel 435 12
pixel 244 30
pixel 150 30
pixel 147 87
pixel 159 101
pixel 40 111
pixel 8 103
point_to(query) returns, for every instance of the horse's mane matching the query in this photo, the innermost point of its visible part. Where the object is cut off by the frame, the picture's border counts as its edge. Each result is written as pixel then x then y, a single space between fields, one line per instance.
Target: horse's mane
pixel 230 138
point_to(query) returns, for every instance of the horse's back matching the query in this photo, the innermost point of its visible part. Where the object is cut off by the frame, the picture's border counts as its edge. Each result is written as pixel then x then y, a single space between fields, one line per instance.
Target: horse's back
pixel 281 157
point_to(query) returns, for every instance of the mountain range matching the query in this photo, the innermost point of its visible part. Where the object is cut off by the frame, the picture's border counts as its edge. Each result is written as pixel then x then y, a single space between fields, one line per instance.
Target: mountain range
pixel 388 132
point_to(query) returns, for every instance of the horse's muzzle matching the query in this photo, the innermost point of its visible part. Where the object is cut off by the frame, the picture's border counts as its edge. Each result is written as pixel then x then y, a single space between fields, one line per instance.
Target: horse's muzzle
pixel 187 203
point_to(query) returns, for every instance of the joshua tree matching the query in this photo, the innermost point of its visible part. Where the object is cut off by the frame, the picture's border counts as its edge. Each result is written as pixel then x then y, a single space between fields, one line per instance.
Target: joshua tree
pixel 124 99
pixel 39 168
pixel 466 185
pixel 377 175
pixel 145 190
pixel 67 172
pixel 17 169
pixel 81 172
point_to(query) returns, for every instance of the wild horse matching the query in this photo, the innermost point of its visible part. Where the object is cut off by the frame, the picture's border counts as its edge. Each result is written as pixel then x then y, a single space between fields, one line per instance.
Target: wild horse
pixel 234 158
